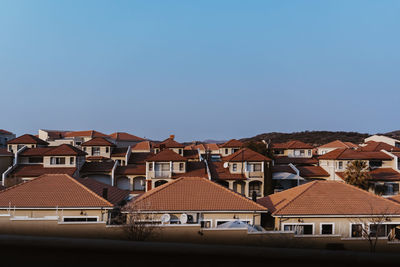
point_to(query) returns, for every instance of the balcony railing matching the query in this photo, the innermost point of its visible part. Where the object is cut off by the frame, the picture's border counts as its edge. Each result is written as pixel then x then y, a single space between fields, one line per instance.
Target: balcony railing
pixel 161 174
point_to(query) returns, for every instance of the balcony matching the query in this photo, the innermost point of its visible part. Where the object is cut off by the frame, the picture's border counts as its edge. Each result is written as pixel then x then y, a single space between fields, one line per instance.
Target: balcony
pixel 162 174
pixel 256 174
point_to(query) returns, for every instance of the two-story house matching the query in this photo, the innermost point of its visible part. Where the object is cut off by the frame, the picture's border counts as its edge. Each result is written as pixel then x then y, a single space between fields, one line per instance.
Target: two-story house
pixel 292 149
pixel 27 140
pixel 230 147
pixel 326 148
pixel 171 144
pixel 98 148
pixel 122 139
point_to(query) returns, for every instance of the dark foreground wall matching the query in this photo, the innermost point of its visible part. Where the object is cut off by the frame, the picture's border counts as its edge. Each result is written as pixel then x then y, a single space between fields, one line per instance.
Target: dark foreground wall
pixel 46 251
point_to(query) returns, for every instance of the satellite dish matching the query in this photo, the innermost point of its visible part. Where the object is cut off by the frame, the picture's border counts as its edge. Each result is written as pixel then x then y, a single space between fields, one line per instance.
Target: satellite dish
pixel 165 218
pixel 183 218
pixel 226 164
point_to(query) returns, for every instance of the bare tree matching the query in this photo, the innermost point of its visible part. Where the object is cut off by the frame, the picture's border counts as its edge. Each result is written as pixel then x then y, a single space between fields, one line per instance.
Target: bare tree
pixel 137 224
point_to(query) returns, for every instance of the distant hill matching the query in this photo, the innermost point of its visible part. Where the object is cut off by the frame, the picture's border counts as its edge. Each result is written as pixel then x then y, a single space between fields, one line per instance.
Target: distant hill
pixel 310 137
pixel 393 134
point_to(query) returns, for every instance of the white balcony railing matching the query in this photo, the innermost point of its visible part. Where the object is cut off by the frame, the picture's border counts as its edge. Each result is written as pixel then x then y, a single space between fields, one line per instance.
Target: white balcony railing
pixel 160 174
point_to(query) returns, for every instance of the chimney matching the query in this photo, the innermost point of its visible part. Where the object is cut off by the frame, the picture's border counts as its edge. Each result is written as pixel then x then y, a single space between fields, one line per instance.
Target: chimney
pixel 105 193
pixel 172 136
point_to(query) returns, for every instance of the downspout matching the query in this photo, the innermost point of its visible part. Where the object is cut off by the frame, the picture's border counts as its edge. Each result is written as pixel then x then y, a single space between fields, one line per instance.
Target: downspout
pixel 128 155
pixel 113 172
pixel 11 168
pixel 297 172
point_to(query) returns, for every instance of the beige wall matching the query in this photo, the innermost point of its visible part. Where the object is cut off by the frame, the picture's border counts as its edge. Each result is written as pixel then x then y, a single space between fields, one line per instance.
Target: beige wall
pixel 103 151
pixel 77 162
pixel 175 168
pixel 228 151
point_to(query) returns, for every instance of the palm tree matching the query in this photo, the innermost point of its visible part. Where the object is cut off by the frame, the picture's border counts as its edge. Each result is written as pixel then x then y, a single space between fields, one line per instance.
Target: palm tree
pixel 357 174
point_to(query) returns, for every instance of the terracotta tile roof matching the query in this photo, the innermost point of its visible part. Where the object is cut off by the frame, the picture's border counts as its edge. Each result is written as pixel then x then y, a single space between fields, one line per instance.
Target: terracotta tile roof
pixel 245 154
pixel 378 146
pixel 295 161
pixel 351 154
pixel 218 172
pixel 339 144
pixel 2 131
pixel 5 152
pixel 140 157
pixel 121 136
pixel 119 152
pixel 169 143
pixel 115 195
pixel 131 169
pixel 27 139
pixel 98 141
pixel 212 147
pixel 327 198
pixel 166 155
pixel 90 133
pixel 142 146
pixel 96 167
pixel 195 147
pixel 193 169
pixel 51 191
pixel 37 151
pixel 194 194
pixel 232 143
pixel 190 154
pixel 295 144
pixel 305 171
pixel 65 150
pixel 27 170
pixel 379 174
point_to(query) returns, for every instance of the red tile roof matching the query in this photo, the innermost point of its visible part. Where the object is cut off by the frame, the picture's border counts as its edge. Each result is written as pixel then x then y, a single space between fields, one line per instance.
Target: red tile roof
pixel 90 133
pixel 212 147
pixel 65 150
pixel 190 154
pixel 194 194
pixel 351 154
pixel 295 144
pixel 378 146
pixel 305 171
pixel 339 144
pixel 98 141
pixel 193 169
pixel 166 155
pixel 27 139
pixel 140 157
pixel 245 154
pixel 5 152
pixel 131 169
pixel 232 143
pixel 2 131
pixel 51 191
pixel 169 143
pixel 27 170
pixel 121 136
pixel 218 172
pixel 37 151
pixel 115 195
pixel 296 161
pixel 97 167
pixel 145 145
pixel 327 198
pixel 119 152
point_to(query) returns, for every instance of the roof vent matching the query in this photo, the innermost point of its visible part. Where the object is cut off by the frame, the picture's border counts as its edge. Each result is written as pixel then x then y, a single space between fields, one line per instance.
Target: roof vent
pixel 172 136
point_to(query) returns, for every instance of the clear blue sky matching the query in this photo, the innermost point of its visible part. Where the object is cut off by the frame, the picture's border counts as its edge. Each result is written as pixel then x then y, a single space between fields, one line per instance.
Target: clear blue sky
pixel 200 69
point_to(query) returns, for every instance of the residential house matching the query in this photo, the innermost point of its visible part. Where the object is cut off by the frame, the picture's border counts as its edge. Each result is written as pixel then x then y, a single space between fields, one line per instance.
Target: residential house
pixel 122 139
pixel 28 140
pixel 321 150
pixel 6 159
pixel 292 149
pixel 230 147
pixel 171 144
pixel 244 171
pixel 384 139
pixel 330 208
pixel 98 148
pixel 196 200
pixel 5 136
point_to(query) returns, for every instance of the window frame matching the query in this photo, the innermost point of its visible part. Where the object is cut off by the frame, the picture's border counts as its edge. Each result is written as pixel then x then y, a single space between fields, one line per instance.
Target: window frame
pixel 327 223
pixel 296 224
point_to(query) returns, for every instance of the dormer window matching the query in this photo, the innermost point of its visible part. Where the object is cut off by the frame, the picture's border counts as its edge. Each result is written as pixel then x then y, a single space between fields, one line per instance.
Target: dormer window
pixel 95 151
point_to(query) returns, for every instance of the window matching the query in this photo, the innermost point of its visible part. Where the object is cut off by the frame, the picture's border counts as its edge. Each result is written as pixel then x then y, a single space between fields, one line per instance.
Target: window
pixel 57 161
pixel 71 160
pixel 36 160
pixel 181 166
pixel 302 152
pixel 95 151
pixel 80 219
pixel 234 167
pixel 257 167
pixel 107 149
pixel 9 147
pixel 180 151
pixel 309 152
pixel 375 163
pixel 356 230
pixel 327 229
pixel 340 165
pixel 299 229
pixel 205 224
pixel 386 189
pixel 226 151
pixel 19 147
pixel 151 166
pixel 84 149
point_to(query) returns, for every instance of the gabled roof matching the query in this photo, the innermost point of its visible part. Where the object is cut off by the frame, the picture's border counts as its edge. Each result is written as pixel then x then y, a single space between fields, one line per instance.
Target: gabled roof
pixel 194 194
pixel 232 143
pixel 5 152
pixel 27 139
pixel 295 144
pixel 166 155
pixel 131 169
pixel 115 195
pixel 327 198
pixel 378 146
pixel 51 191
pixel 90 133
pixel 169 143
pixel 145 145
pixel 121 136
pixel 339 144
pixel 36 170
pixel 218 172
pixel 98 141
pixel 305 171
pixel 351 154
pixel 97 167
pixel 245 154
pixel 140 157
pixel 36 151
pixel 2 131
pixel 65 150
pixel 119 152
pixel 283 160
pixel 193 169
